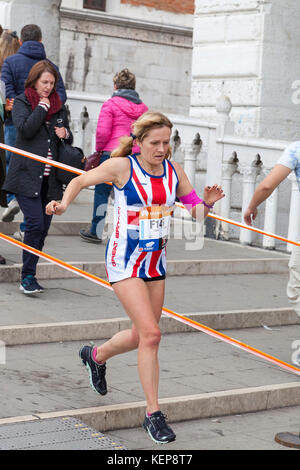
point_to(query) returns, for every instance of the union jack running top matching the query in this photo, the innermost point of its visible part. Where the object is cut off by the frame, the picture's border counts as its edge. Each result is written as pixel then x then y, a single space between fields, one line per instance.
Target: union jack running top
pixel 128 252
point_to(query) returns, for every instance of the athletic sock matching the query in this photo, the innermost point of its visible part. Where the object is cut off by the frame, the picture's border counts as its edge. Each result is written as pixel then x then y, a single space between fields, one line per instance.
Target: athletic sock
pixel 94 354
pixel 150 414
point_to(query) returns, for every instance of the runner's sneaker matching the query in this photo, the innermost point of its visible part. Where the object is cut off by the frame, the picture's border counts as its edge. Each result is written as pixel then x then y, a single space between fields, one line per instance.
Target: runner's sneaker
pixel 158 429
pixel 29 285
pixel 96 371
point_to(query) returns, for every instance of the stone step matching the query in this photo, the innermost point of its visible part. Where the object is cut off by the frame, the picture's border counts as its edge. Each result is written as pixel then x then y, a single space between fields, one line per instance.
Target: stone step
pixel 78 299
pixel 45 270
pixel 184 408
pixel 200 377
pixel 101 329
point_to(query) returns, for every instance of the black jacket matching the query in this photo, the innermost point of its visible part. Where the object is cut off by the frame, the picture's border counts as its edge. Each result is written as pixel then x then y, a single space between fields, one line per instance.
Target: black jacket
pixel 25 175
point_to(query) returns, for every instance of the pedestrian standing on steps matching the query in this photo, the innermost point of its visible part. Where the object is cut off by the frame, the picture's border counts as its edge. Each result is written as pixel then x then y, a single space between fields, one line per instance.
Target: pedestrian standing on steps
pixel 146 186
pixel 288 162
pixel 14 72
pixel 37 115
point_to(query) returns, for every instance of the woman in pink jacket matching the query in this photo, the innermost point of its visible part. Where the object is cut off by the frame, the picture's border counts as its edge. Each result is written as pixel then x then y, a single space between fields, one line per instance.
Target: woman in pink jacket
pixel 116 117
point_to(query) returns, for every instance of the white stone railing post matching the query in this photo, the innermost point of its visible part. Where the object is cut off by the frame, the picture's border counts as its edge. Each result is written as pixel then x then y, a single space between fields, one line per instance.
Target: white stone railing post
pixel 223 109
pixel 228 170
pixel 271 209
pixel 77 134
pixel 190 151
pixel 225 126
pixel 294 217
pixel 84 121
pixel 250 173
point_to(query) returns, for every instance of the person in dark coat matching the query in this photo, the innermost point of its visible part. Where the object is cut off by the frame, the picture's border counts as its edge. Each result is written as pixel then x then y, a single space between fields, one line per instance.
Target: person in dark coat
pixel 37 114
pixel 14 73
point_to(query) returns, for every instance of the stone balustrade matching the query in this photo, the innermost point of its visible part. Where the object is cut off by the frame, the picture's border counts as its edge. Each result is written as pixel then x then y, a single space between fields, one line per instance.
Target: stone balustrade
pixel 211 153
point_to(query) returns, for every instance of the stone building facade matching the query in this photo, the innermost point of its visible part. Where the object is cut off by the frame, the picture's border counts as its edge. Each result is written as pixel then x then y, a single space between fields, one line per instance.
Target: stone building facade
pixel 185 54
pixel 155 44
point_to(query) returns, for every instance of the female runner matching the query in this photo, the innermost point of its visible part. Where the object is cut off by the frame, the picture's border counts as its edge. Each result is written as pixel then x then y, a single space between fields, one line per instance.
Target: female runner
pixel 146 186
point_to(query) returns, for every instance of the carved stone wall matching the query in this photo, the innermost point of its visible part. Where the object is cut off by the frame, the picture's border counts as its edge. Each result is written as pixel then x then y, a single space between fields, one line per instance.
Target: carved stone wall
pixel 96 45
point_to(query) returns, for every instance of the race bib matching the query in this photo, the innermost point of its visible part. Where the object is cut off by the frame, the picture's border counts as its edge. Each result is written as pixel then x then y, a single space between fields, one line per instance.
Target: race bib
pixel 154 227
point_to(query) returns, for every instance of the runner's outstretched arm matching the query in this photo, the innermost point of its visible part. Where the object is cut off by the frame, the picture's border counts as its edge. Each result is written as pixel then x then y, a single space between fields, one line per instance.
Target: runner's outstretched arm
pixel 114 170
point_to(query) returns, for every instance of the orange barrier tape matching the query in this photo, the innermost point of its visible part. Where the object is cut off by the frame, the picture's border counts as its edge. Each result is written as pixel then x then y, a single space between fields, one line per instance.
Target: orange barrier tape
pixel 33 156
pixel 170 313
pixel 81 172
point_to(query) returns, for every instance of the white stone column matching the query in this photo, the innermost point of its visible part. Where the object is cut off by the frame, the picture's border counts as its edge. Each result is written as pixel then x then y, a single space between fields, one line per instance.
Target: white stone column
pixel 271 209
pixel 228 170
pixel 223 109
pixel 250 173
pixel 190 151
pixel 76 129
pixel 294 218
pixel 216 147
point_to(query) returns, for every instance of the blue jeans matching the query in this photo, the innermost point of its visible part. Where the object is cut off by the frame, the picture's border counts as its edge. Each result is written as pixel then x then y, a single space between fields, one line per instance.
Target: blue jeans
pixel 37 226
pixel 101 195
pixel 10 135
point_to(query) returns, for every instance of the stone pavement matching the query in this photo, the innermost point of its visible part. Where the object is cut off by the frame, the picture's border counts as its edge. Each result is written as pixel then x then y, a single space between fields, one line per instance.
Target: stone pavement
pixel 217 396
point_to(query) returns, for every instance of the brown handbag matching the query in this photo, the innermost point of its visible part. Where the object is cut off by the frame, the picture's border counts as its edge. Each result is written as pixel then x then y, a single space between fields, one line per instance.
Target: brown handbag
pixel 92 161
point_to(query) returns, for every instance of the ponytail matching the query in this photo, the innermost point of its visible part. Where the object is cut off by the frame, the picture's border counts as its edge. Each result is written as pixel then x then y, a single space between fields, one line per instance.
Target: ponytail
pixel 125 147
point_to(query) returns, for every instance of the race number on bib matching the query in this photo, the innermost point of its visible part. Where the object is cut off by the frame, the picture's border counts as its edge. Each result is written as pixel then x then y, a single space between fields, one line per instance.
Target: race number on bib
pixel 154 227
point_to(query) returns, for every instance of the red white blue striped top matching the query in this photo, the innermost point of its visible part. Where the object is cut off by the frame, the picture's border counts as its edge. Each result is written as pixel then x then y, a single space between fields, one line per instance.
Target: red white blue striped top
pixel 124 258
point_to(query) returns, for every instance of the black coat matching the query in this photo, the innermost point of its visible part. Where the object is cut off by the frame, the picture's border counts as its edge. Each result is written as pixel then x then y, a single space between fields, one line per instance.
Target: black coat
pixel 25 175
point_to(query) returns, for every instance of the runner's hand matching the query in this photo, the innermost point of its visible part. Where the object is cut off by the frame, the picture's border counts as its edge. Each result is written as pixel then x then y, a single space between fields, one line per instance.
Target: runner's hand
pixel 213 194
pixel 250 215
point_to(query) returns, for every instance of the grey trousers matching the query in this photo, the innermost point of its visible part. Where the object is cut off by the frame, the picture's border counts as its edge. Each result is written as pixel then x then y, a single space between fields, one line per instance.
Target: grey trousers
pixel 293 286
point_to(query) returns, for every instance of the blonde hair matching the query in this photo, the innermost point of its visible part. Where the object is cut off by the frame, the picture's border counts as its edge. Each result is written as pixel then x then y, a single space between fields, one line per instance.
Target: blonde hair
pixel 9 44
pixel 141 128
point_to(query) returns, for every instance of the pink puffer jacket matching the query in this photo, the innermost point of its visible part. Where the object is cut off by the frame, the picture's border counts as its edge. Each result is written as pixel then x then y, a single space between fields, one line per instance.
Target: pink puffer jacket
pixel 115 119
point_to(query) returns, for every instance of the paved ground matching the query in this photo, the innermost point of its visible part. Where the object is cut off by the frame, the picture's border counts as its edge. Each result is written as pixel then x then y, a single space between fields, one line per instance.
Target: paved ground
pixel 249 431
pixel 79 299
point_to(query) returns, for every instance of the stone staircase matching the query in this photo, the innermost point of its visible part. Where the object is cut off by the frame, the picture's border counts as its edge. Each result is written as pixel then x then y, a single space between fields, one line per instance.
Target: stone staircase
pixel 237 290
